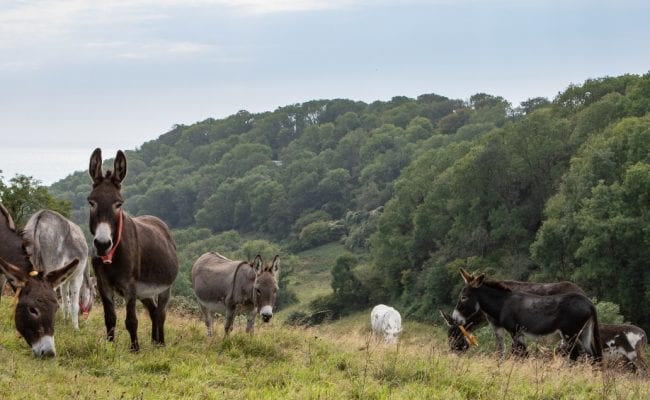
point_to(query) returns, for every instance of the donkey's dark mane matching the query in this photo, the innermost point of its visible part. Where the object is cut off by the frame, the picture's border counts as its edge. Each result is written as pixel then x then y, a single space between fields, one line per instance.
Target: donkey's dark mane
pixel 497 285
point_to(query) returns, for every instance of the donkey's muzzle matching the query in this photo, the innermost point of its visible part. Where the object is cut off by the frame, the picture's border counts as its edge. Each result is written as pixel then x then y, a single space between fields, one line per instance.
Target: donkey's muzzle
pixel 266 313
pixel 44 347
pixel 102 246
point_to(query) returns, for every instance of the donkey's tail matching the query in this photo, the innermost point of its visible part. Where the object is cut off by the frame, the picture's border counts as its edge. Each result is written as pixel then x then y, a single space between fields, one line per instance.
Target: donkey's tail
pixel 596 346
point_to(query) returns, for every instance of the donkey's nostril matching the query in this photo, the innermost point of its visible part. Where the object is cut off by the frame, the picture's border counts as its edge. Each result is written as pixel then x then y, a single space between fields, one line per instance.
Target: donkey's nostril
pixel 266 317
pixel 102 246
pixel 45 353
pixel 48 353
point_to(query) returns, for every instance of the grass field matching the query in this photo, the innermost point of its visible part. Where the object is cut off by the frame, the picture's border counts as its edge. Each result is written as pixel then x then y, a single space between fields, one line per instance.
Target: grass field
pixel 313 279
pixel 335 361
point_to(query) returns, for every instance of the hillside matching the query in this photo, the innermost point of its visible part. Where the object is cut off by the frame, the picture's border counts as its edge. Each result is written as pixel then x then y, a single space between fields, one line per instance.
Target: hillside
pixel 338 361
pixel 549 190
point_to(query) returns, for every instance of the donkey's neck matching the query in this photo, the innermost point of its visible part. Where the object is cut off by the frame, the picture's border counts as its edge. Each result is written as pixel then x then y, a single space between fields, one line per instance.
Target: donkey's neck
pixel 476 321
pixel 491 299
pixel 12 249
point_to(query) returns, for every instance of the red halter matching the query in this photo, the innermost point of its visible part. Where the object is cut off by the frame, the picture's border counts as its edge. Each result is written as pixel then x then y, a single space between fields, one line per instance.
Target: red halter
pixel 108 258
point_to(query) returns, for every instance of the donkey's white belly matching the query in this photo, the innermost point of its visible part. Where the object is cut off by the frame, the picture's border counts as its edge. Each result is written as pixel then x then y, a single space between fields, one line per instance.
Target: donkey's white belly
pixel 218 307
pixel 613 352
pixel 149 291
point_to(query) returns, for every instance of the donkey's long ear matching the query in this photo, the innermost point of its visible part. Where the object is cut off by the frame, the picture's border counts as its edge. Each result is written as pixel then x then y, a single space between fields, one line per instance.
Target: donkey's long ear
pixel 478 281
pixel 95 167
pixel 57 276
pixel 448 319
pixel 10 221
pixel 119 166
pixel 467 277
pixel 257 264
pixel 275 265
pixel 15 275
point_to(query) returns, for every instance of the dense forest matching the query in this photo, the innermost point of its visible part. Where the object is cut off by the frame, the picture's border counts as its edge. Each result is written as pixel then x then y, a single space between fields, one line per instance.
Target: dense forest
pixel 549 190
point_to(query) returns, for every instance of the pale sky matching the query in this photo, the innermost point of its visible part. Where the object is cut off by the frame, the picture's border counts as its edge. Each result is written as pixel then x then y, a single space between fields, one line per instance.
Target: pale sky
pixel 81 74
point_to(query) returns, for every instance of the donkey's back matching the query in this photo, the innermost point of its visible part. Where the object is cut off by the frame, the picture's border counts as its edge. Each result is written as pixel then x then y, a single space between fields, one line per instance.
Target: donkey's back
pixel 53 240
pixel 212 278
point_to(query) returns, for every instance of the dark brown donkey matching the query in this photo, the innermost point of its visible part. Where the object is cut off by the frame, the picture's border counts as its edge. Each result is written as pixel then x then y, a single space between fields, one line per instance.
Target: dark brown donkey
pixel 36 302
pixel 460 341
pixel 135 256
pixel 521 314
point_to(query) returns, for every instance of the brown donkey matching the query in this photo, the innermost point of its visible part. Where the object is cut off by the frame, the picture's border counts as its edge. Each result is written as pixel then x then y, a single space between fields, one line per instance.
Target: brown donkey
pixel 232 287
pixel 135 256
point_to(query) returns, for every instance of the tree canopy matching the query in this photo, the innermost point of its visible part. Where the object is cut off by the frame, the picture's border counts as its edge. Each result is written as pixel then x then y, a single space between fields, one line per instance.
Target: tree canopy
pixel 551 189
pixel 24 196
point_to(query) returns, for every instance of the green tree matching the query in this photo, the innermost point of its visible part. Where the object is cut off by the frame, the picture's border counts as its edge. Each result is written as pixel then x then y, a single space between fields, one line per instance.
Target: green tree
pixel 25 195
pixel 595 231
pixel 530 105
pixel 349 293
pixel 451 122
pixel 334 191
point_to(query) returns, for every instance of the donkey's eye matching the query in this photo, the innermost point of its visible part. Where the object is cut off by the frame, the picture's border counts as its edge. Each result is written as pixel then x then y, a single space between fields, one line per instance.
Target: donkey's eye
pixel 258 291
pixel 118 205
pixel 464 298
pixel 92 203
pixel 33 311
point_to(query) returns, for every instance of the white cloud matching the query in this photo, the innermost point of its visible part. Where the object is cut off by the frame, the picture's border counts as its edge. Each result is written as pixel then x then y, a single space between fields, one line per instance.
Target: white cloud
pixel 262 6
pixel 30 29
pixel 16 66
pixel 145 50
pixel 44 20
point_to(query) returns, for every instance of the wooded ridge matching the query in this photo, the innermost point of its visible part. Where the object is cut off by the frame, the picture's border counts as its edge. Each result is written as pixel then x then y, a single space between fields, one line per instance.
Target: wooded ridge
pixel 550 190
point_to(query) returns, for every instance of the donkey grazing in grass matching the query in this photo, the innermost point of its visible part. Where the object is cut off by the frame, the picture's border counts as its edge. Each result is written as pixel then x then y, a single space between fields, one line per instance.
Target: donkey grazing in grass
pixel 135 256
pixel 53 241
pixel 235 287
pixel 35 299
pixel 571 315
pixel 386 323
pixel 618 341
pixel 461 341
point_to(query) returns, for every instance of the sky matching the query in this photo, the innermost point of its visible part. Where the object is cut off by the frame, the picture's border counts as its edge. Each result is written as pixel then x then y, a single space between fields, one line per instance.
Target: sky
pixel 81 74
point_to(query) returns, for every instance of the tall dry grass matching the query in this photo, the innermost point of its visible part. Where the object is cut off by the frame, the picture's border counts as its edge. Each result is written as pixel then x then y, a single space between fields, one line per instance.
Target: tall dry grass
pixel 336 361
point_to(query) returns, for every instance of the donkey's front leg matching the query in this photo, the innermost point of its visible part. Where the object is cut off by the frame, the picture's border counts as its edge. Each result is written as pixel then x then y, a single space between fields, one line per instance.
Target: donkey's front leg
pixel 250 320
pixel 230 317
pixel 132 321
pixel 106 295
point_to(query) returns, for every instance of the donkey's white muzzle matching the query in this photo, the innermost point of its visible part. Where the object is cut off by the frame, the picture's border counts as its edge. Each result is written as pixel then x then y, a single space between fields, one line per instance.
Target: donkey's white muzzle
pixel 44 347
pixel 267 313
pixel 103 240
pixel 458 318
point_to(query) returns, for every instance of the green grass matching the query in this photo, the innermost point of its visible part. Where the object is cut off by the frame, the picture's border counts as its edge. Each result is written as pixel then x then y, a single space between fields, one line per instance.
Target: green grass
pixel 336 361
pixel 313 278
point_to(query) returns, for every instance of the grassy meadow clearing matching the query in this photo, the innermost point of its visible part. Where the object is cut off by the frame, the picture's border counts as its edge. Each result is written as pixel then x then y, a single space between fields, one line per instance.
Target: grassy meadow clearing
pixel 334 361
